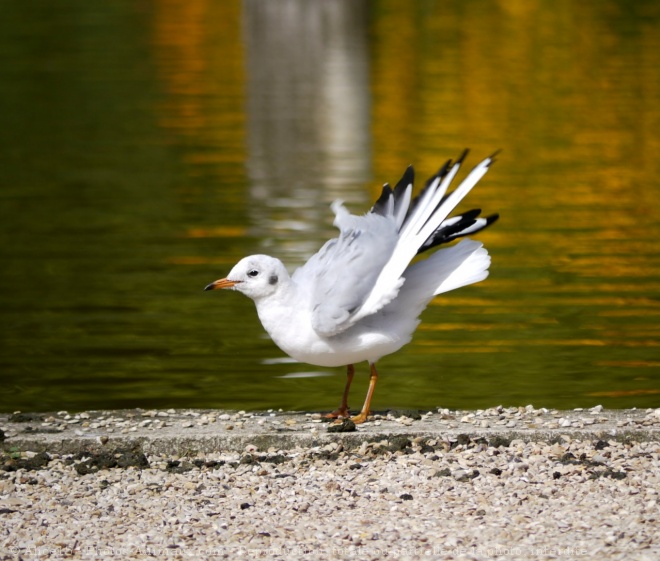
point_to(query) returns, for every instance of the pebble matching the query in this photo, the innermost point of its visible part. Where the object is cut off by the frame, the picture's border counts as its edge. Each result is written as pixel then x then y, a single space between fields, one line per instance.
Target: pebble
pixel 398 497
pixel 463 502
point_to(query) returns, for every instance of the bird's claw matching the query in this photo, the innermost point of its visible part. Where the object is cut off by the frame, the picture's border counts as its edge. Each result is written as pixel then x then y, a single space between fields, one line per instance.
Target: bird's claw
pixel 341 413
pixel 360 418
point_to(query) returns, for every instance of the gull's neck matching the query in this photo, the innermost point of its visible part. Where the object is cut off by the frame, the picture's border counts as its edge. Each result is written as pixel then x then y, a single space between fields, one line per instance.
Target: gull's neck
pixel 278 309
pixel 285 316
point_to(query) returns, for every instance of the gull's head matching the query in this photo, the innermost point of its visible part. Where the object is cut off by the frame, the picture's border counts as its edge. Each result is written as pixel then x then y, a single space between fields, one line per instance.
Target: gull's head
pixel 256 276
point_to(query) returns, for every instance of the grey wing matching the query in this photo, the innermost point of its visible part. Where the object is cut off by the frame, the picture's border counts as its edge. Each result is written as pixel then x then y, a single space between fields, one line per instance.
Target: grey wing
pixel 341 276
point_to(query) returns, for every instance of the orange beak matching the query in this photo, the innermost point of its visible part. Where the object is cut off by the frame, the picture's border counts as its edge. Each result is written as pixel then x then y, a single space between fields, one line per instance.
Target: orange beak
pixel 222 283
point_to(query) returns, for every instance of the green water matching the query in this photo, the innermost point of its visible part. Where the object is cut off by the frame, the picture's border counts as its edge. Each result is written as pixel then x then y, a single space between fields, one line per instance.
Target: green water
pixel 145 147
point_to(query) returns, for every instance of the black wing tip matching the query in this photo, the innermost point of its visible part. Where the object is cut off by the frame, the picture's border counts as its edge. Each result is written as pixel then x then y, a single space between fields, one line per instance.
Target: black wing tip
pixel 444 170
pixel 473 213
pixel 462 157
pixel 457 230
pixel 381 204
pixel 407 177
pixel 491 159
pixel 492 219
pixel 493 156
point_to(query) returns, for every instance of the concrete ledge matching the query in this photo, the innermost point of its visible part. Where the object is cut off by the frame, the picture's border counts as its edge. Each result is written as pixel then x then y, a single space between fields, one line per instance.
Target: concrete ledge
pixel 185 432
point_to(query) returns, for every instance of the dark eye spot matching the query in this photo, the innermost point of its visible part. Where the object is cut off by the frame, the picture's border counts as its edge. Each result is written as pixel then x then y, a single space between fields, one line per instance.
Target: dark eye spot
pixel 253 273
pixel 273 279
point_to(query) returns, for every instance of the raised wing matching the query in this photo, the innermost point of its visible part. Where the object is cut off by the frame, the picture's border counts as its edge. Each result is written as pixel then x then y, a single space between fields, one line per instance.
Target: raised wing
pixel 426 224
pixel 341 276
pixel 355 275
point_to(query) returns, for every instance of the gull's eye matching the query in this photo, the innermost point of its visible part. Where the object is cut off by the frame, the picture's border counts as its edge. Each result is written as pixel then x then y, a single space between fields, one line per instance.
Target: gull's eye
pixel 253 273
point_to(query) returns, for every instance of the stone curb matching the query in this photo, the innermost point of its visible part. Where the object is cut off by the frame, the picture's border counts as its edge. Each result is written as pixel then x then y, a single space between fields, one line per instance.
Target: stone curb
pixel 189 432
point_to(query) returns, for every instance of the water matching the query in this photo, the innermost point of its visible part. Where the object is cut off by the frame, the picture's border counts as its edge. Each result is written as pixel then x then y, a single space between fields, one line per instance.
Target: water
pixel 148 146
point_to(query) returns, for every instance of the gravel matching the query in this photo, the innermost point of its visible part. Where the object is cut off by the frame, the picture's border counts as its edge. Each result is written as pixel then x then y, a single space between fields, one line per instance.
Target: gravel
pixel 397 488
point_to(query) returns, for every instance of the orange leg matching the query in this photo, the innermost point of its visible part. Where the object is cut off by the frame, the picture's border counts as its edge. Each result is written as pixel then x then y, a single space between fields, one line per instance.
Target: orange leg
pixel 343 411
pixel 373 378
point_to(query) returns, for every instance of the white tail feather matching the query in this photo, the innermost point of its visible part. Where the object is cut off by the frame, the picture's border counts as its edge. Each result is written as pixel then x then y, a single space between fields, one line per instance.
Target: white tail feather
pixel 473 269
pixel 459 265
pixel 465 263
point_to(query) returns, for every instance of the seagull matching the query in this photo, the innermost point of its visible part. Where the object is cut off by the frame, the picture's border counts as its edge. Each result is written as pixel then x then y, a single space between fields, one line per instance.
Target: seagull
pixel 360 297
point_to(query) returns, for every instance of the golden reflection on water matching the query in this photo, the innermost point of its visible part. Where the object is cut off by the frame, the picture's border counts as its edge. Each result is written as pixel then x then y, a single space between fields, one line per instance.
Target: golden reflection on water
pixel 217 232
pixel 166 140
pixel 199 54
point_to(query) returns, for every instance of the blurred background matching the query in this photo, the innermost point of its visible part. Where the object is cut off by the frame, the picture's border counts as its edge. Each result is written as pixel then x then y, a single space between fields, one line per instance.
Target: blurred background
pixel 147 145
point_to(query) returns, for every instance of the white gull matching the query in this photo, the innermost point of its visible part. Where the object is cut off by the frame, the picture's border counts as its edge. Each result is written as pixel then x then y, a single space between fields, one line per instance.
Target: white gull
pixel 359 298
